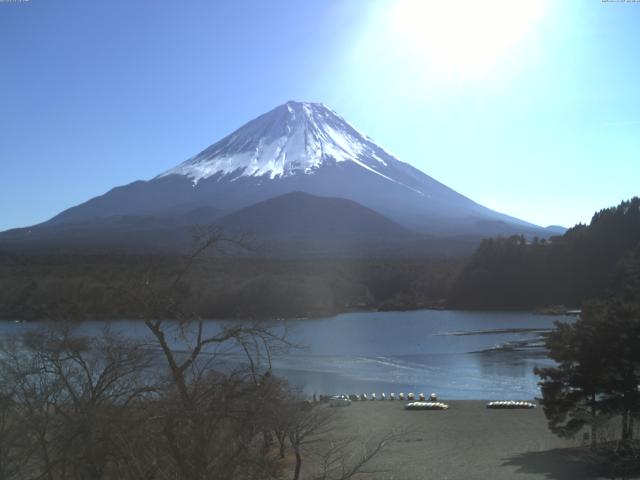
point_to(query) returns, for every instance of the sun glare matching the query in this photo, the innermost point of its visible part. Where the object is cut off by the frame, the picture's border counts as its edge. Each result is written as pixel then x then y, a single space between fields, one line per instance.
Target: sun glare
pixel 461 38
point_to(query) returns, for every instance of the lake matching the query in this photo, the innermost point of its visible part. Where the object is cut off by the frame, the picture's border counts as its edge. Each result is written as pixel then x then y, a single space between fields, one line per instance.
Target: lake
pixel 458 355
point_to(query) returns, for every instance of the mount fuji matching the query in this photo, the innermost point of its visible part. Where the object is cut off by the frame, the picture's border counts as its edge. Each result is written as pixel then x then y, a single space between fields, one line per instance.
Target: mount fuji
pixel 296 147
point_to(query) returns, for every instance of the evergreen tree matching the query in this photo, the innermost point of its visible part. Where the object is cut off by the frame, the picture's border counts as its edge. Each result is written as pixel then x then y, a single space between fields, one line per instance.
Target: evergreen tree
pixel 509 273
pixel 572 391
pixel 598 370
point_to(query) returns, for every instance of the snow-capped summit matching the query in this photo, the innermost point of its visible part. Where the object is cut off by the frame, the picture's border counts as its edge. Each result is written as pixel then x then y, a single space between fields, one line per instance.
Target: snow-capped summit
pixel 293 138
pixel 299 147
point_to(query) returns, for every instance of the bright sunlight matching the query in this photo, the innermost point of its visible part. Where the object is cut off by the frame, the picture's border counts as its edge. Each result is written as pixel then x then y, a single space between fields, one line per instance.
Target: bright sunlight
pixel 463 38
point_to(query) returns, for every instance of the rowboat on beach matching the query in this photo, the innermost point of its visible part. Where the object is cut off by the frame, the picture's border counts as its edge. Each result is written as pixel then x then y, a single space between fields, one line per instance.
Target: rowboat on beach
pixel 426 406
pixel 510 404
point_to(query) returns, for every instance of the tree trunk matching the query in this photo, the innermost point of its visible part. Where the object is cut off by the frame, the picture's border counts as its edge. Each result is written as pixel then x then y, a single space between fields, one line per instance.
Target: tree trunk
pixel 282 442
pixel 296 474
pixel 45 454
pixel 625 424
pixel 594 426
pixel 267 441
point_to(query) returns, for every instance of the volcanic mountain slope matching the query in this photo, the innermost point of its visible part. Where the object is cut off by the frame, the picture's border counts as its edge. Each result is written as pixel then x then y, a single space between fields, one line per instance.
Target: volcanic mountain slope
pixel 156 231
pixel 299 147
pixel 296 147
pixel 293 225
pixel 299 214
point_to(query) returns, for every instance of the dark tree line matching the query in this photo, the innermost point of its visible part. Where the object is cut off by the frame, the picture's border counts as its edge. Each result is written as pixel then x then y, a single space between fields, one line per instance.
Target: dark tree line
pixel 515 273
pixel 96 286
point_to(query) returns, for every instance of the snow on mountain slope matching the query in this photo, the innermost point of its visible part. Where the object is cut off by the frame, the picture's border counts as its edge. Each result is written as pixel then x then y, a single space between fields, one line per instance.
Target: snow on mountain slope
pixel 301 147
pixel 294 138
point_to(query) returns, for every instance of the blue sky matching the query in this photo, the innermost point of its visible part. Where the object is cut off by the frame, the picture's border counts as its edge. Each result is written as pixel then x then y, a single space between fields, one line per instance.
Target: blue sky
pixel 534 114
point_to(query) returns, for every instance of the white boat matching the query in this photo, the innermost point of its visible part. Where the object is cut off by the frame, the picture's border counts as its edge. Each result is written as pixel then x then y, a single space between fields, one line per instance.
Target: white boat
pixel 426 406
pixel 510 404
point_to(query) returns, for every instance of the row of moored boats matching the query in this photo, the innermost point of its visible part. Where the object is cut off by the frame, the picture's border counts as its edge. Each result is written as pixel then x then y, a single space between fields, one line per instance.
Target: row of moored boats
pixel 383 396
pixel 421 403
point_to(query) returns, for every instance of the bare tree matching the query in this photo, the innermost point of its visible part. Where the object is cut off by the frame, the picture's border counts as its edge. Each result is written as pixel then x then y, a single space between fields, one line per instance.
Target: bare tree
pixel 194 400
pixel 32 394
pixel 215 399
pixel 347 457
pixel 11 436
pixel 71 395
pixel 313 431
pixel 308 426
pixel 212 410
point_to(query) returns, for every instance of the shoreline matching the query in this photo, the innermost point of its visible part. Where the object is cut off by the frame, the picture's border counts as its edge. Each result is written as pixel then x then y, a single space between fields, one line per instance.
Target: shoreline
pixel 315 316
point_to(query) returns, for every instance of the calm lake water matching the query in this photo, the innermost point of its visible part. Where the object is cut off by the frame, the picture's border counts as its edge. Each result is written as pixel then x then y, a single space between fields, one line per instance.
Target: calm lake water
pixel 459 355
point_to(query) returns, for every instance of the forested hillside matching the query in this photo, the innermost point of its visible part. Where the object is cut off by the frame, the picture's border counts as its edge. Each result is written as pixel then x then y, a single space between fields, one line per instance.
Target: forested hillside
pixel 513 273
pixel 109 286
pixel 503 273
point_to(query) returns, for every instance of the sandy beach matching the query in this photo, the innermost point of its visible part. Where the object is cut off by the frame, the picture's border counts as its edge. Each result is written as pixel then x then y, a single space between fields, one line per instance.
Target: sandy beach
pixel 468 441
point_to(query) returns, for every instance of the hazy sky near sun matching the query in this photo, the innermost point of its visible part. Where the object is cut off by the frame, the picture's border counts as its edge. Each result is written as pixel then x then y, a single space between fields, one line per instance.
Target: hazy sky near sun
pixel 530 108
